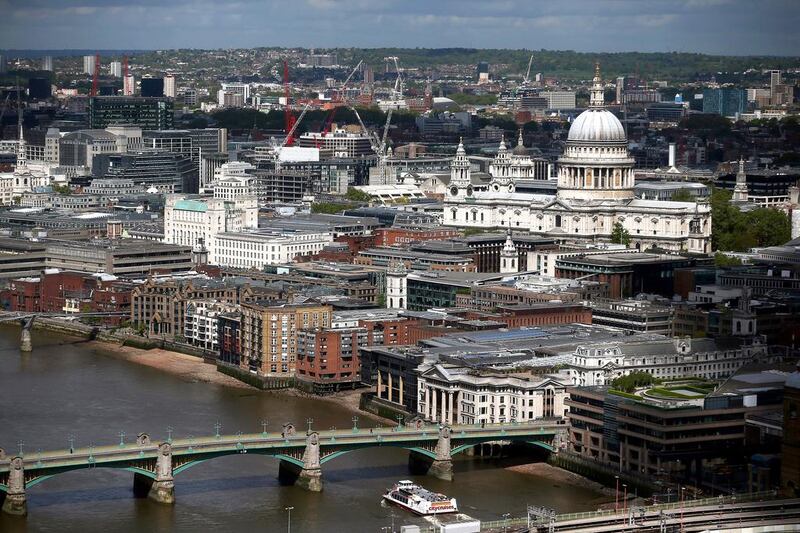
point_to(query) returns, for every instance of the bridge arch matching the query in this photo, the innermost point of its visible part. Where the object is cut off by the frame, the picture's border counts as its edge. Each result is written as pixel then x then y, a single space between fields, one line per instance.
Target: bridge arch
pixel 191 462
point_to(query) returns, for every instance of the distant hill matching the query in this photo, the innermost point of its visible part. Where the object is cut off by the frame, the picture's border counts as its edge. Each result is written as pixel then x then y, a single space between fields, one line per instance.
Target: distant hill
pixel 565 64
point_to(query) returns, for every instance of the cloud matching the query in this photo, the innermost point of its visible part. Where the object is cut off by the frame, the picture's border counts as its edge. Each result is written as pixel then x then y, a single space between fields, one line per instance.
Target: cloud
pixel 715 26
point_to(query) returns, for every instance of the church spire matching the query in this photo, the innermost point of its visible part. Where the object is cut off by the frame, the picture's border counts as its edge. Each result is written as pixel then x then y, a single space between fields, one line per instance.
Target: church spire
pixel 22 149
pixel 596 98
pixel 740 192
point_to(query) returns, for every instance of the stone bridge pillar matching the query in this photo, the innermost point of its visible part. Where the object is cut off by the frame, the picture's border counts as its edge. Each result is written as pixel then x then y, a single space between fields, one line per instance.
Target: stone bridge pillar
pixel 440 467
pixel 309 476
pixel 162 488
pixel 25 343
pixel 15 502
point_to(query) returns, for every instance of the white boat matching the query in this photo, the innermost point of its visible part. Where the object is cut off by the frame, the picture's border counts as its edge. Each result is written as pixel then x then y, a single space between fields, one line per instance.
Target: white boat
pixel 417 499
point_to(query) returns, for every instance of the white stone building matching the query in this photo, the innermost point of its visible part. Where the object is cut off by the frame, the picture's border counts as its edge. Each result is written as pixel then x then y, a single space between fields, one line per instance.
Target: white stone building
pixel 595 192
pixel 664 358
pixel 254 249
pixel 453 394
pixel 201 321
pixel 190 221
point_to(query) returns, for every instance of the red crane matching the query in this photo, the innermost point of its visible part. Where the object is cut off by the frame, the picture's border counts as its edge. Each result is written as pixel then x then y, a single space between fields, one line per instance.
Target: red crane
pixel 288 117
pixel 96 74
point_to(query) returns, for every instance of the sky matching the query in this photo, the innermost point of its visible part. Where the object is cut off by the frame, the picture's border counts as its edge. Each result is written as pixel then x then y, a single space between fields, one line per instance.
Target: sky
pixel 730 27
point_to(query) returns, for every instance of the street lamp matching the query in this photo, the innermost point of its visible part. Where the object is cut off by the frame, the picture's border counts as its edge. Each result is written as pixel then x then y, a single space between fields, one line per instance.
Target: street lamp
pixel 616 496
pixel 624 497
pixel 355 424
pixel 682 497
pixel 264 424
pixel 309 421
pixel 505 521
pixel 289 519
pixel 71 440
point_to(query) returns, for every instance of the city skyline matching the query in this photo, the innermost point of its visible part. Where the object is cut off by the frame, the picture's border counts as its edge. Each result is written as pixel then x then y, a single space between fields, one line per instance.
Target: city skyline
pixel 728 27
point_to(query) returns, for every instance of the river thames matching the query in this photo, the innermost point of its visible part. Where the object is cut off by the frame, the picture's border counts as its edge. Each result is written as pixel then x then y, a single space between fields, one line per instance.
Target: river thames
pixel 67 388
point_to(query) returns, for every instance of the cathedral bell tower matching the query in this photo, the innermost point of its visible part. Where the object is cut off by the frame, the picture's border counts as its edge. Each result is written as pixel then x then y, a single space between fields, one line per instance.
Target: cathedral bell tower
pixel 500 169
pixel 460 178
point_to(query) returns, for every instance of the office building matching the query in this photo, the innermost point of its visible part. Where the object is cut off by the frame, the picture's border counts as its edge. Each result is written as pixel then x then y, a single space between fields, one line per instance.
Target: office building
pixel 115 69
pixel 256 248
pixel 147 113
pixel 321 60
pixel 128 85
pixel 152 87
pixel 163 172
pixel 230 99
pixel 725 101
pixel 242 89
pixel 190 97
pixel 39 88
pixel 559 99
pixel 342 143
pixel 89 65
pixel 198 221
pixel 47 63
pixel 170 90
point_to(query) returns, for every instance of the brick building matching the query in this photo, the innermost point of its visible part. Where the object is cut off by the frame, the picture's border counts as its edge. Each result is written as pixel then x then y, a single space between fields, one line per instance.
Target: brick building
pixel 395 236
pixel 159 304
pixel 269 333
pixel 56 291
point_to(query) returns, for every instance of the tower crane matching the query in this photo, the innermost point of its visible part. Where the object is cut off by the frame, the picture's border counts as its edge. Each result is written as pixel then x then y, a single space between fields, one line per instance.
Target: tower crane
pixel 398 84
pixel 527 79
pixel 338 98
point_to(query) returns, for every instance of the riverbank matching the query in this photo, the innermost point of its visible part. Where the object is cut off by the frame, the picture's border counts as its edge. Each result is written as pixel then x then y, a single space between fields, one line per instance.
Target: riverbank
pixel 559 476
pixel 186 367
pixel 193 369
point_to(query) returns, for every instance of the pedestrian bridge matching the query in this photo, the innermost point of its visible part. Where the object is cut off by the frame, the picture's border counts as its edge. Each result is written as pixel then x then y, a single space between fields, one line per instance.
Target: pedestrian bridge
pixel 301 455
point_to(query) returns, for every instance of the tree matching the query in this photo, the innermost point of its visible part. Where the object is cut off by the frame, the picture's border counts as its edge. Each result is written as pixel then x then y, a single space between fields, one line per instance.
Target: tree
pixel 735 231
pixel 356 195
pixel 619 235
pixel 722 260
pixel 633 380
pixel 62 189
pixel 682 195
pixel 328 208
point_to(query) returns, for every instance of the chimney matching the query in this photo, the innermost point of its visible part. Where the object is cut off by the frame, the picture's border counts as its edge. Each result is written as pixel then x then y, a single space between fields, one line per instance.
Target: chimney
pixel 671 155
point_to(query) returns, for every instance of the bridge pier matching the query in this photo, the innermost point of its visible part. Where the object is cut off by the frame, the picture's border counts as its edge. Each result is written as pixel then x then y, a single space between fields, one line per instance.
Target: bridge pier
pixel 309 476
pixel 25 343
pixel 162 488
pixel 442 465
pixel 15 502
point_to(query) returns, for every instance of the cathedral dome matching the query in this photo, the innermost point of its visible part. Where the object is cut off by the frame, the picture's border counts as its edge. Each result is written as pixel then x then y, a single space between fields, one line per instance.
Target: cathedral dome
pixel 596 125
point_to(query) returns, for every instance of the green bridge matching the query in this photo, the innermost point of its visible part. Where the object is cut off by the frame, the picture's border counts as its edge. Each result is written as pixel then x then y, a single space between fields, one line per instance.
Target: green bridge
pixel 301 456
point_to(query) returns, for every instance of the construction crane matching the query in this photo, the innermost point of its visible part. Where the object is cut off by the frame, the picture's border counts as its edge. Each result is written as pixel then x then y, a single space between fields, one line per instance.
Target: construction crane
pixel 338 98
pixel 527 78
pixel 288 118
pixel 398 83
pixel 289 140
